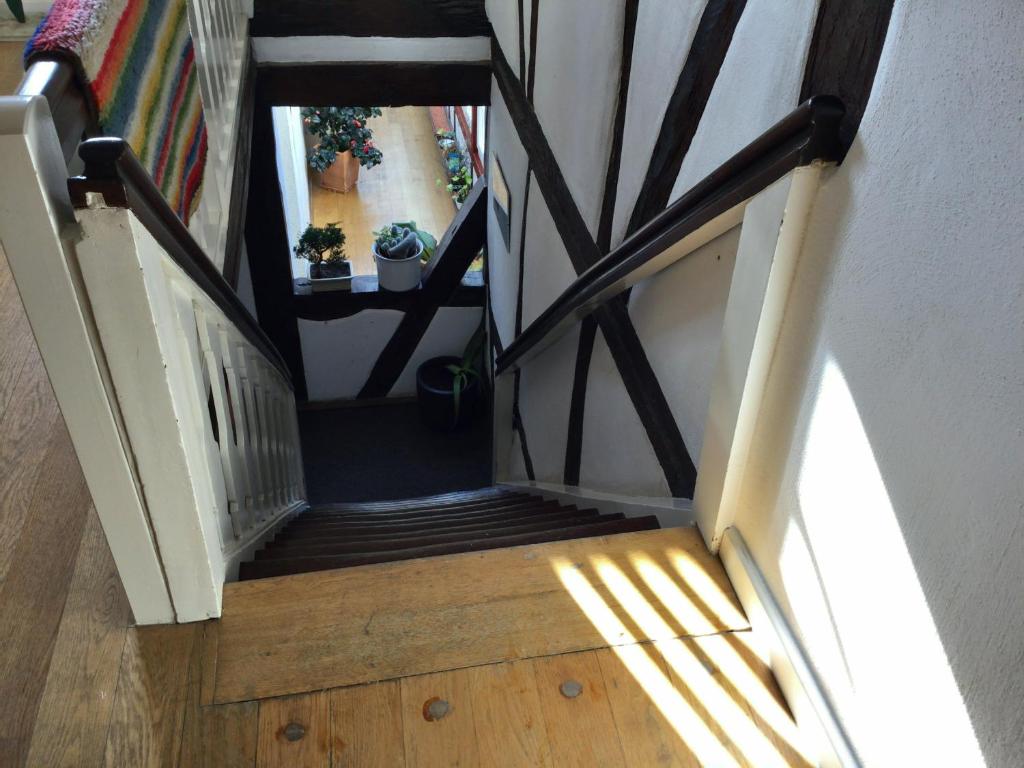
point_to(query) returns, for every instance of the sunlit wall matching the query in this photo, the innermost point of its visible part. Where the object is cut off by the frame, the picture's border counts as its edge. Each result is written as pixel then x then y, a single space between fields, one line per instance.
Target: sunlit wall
pixel 885 502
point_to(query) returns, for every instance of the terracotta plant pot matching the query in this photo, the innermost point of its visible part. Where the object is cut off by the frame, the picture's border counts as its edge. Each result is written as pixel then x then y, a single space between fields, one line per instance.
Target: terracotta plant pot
pixel 342 175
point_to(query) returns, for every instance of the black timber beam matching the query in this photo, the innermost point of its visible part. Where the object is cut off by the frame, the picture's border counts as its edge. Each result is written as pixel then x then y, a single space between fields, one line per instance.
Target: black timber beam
pixel 386 84
pixel 380 18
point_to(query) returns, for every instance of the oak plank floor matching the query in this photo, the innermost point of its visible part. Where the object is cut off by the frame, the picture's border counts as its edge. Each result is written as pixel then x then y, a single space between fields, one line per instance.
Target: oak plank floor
pixel 334 628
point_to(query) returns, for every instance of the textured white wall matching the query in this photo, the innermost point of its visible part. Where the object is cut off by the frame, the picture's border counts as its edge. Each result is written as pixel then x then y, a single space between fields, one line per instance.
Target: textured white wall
pixel 665 30
pixel 886 502
pixel 758 84
pixel 579 45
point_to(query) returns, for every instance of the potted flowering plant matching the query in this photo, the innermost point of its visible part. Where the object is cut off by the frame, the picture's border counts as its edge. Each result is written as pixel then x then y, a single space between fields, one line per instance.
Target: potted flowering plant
pixel 344 144
pixel 398 250
pixel 324 249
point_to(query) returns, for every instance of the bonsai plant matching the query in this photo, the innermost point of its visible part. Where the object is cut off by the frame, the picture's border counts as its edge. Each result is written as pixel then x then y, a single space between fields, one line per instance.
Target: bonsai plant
pixel 448 389
pixel 345 143
pixel 324 249
pixel 397 249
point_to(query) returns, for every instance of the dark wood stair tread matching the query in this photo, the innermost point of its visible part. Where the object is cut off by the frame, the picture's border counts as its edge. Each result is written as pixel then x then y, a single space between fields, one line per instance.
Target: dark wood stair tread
pixel 398 513
pixel 281 567
pixel 302 528
pixel 354 545
pixel 427 502
pixel 413 529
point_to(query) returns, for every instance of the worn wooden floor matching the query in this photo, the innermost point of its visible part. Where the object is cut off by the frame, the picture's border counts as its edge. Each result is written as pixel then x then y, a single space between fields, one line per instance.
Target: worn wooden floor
pixel 401 188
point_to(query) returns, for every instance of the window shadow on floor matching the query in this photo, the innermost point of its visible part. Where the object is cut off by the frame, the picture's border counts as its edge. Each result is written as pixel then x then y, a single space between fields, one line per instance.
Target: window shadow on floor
pixel 383 452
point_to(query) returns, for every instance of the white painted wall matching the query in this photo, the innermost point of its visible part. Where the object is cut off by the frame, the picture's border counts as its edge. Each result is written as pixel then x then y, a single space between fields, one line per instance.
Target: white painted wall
pixel 885 504
pixel 339 354
pixel 758 84
pixel 666 29
pixel 579 45
pixel 293 178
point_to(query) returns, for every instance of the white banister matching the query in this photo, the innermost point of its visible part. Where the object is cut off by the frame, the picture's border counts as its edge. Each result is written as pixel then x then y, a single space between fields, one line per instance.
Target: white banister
pixel 37 228
pixel 215 474
pixel 180 411
pixel 220 38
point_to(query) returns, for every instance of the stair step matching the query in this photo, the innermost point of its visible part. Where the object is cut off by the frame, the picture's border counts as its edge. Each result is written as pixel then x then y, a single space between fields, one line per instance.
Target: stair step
pixel 261 569
pixel 317 548
pixel 425 502
pixel 453 509
pixel 406 529
pixel 301 528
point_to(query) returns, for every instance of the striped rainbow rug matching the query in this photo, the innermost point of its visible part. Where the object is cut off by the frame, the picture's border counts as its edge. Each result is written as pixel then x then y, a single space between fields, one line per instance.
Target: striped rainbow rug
pixel 137 59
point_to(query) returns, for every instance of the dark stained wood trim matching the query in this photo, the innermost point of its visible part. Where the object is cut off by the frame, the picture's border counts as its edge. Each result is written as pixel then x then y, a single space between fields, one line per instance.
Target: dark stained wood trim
pixel 611 178
pixel 844 54
pixel 441 278
pixel 492 326
pixel 517 417
pixel 573 230
pixel 630 359
pixel 588 329
pixel 390 84
pixel 808 133
pixel 380 18
pixel 332 305
pixel 686 107
pixel 235 239
pixel 520 428
pixel 268 248
pixel 532 72
pixel 112 169
pixel 522 42
pixel 578 401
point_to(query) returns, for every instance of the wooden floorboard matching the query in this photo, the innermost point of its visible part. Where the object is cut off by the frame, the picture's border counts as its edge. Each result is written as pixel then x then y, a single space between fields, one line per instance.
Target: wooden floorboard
pixel 75 709
pixel 335 628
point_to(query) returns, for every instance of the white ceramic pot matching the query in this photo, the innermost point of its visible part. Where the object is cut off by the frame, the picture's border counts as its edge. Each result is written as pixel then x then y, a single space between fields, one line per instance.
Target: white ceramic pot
pixel 399 274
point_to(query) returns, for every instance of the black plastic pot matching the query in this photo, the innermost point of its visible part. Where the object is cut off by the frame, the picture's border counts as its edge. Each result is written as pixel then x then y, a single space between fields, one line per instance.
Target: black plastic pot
pixel 435 395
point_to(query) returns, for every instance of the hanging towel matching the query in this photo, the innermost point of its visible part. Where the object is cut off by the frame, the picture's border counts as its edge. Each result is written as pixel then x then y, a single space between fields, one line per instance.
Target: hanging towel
pixel 136 61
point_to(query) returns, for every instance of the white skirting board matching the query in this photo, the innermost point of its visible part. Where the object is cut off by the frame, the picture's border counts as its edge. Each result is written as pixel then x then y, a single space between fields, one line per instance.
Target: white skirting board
pixel 796 677
pixel 671 513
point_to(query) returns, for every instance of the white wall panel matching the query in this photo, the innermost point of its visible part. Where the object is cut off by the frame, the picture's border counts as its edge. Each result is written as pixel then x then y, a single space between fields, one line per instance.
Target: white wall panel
pixel 758 84
pixel 579 47
pixel 545 392
pixel 617 454
pixel 678 317
pixel 886 505
pixel 664 33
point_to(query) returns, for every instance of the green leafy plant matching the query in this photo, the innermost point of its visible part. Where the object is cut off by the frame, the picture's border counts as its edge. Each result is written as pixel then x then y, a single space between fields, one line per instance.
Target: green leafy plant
pixel 321 245
pixel 398 240
pixel 467 369
pixel 17 10
pixel 460 181
pixel 341 129
pixel 445 139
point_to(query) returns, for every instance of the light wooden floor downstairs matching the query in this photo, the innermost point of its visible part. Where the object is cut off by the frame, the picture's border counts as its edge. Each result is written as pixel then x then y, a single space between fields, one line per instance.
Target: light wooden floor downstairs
pixel 402 188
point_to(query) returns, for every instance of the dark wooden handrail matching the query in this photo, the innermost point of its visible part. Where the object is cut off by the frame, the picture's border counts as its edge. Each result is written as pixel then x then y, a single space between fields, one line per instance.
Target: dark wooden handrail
pixel 808 133
pixel 113 170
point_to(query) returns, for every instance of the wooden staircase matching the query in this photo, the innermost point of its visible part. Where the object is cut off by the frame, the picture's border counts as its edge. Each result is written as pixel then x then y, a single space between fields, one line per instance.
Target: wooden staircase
pixel 345 535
